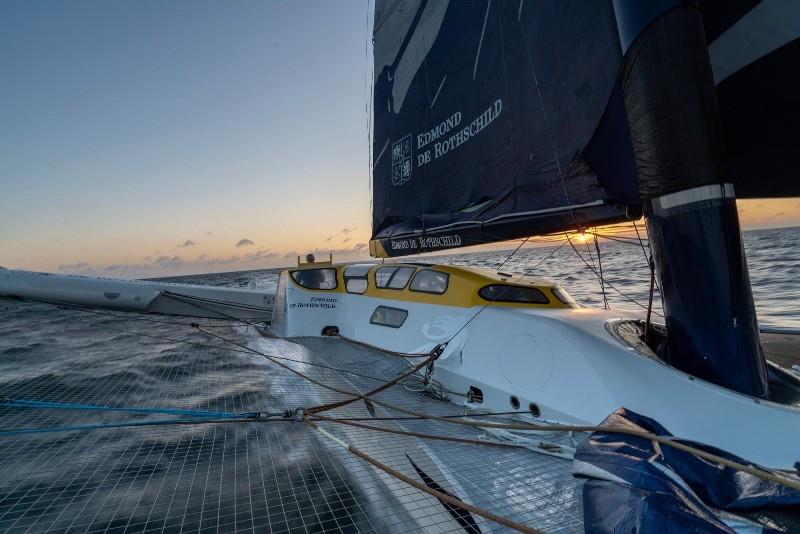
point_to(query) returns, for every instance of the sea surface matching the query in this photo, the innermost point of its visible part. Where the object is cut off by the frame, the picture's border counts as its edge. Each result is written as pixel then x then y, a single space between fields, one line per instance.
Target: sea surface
pixel 123 480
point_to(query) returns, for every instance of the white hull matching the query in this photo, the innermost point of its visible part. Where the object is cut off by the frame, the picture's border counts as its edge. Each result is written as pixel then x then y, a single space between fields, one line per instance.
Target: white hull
pixel 565 362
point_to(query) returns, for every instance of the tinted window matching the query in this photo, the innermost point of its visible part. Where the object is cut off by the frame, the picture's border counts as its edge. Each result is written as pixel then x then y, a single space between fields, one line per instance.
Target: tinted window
pixel 356 285
pixel 358 270
pixel 504 293
pixel 428 281
pixel 386 316
pixel 383 275
pixel 316 278
pixel 355 278
pixel 400 277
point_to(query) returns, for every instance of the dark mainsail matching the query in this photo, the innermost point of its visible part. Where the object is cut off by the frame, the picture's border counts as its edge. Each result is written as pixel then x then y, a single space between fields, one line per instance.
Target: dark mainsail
pixel 500 119
pixel 489 122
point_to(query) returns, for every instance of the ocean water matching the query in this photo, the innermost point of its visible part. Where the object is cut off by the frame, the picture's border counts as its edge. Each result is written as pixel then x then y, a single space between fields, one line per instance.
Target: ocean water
pixel 125 481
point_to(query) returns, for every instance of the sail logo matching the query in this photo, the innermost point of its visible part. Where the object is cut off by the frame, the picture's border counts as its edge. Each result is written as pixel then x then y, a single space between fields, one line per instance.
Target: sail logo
pixel 402 164
pixel 449 134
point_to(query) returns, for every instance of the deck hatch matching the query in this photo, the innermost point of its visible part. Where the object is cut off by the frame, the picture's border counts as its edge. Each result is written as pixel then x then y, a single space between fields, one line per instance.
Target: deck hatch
pixel 386 316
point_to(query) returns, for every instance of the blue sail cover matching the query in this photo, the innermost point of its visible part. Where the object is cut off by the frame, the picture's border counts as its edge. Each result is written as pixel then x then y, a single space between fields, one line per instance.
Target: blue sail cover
pixel 500 119
pixel 635 487
pixel 489 122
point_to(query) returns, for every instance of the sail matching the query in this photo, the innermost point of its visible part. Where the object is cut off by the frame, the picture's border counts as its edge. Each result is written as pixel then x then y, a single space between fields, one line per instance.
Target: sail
pixel 494 120
pixel 754 48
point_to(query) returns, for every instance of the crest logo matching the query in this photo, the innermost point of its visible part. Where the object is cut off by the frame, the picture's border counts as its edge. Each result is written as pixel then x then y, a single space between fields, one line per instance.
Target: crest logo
pixel 402 164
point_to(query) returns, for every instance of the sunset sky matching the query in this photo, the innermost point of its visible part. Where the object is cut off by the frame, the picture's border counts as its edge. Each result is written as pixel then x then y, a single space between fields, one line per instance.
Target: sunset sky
pixel 152 138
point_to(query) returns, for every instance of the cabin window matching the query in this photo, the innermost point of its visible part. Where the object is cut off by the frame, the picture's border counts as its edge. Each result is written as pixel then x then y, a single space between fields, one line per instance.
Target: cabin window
pixel 506 293
pixel 355 278
pixel 356 285
pixel 393 277
pixel 429 281
pixel 316 278
pixel 386 316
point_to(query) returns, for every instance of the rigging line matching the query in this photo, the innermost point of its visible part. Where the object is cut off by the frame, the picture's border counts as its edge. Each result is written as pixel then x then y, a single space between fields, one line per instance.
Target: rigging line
pixel 676 443
pixel 504 291
pixel 512 254
pixel 623 295
pixel 25 403
pixel 383 387
pixel 650 300
pixel 443 497
pixel 160 422
pixel 414 418
pixel 89 309
pixel 420 435
pixel 380 349
pixel 248 351
pixel 273 359
pixel 602 283
pixel 646 259
pixel 547 122
pixel 618 239
pixel 250 307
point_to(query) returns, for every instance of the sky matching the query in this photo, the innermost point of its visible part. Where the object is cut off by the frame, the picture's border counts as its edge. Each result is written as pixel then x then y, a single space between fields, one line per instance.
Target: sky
pixel 153 138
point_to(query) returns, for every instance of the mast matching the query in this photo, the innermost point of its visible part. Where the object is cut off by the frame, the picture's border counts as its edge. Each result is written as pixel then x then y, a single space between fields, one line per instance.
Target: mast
pixel 692 221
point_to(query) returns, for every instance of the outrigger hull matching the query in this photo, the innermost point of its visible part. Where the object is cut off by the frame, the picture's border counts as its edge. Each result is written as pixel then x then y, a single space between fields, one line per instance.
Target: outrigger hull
pixel 138 295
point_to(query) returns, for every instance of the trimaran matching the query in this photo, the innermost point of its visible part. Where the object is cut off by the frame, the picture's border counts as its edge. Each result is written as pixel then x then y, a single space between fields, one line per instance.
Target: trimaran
pixel 505 119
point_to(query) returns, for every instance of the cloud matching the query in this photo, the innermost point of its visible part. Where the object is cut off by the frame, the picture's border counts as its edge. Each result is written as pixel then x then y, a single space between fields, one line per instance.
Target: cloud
pixel 187 243
pixel 166 261
pixel 201 257
pixel 328 238
pixel 260 255
pixel 80 266
pixel 360 247
pixel 209 233
pixel 290 254
pixel 347 240
pixel 245 243
pixel 348 230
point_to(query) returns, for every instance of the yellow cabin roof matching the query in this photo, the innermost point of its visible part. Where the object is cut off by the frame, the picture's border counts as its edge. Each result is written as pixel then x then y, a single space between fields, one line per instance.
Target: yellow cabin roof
pixel 464 285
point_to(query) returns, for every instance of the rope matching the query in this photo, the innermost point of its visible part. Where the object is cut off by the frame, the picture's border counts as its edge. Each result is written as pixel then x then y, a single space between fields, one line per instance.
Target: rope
pixel 422 487
pixel 650 300
pixel 419 435
pixel 23 403
pixel 602 282
pixel 88 309
pixel 435 353
pixel 623 295
pixel 159 422
pixel 380 349
pixel 668 441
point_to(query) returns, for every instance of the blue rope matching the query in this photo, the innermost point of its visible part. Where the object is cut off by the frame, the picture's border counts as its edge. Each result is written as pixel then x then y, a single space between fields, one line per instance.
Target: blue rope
pixel 119 425
pixel 21 403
